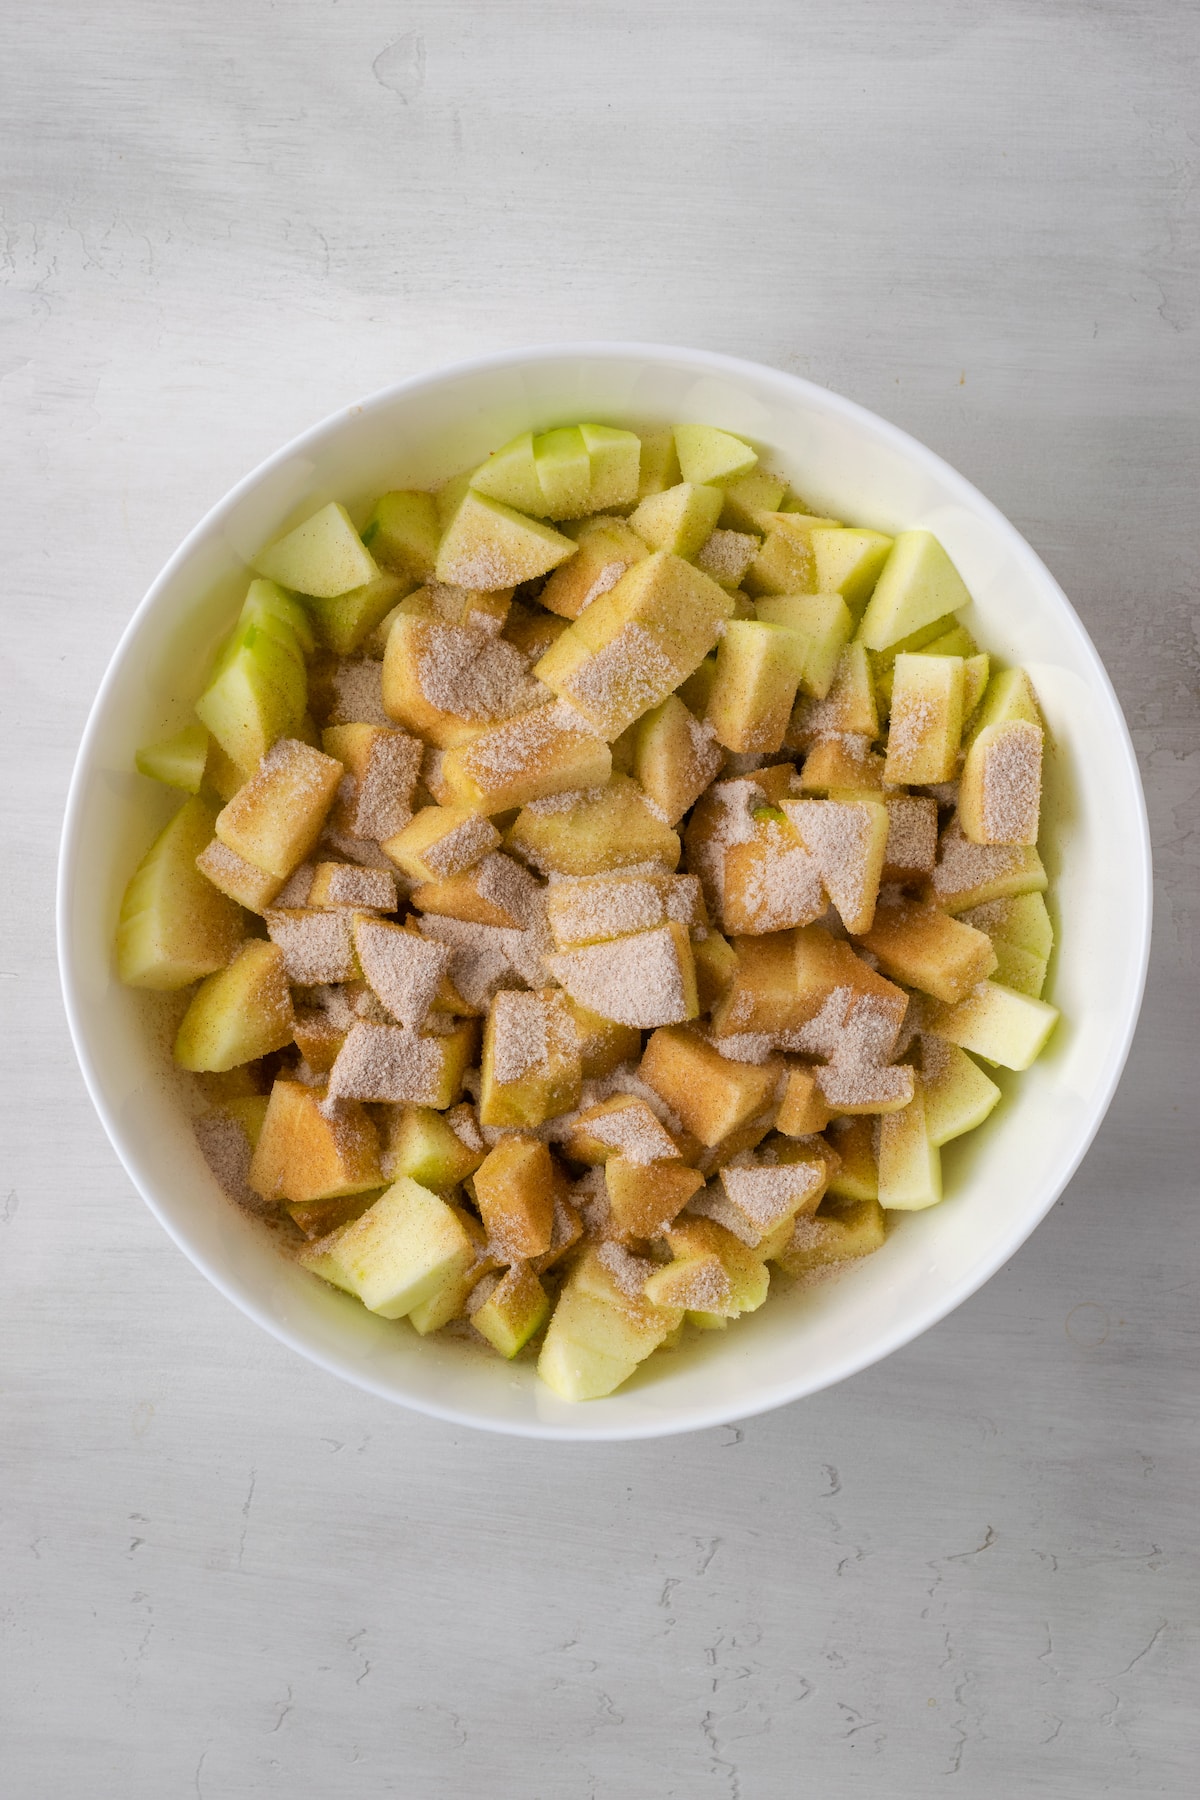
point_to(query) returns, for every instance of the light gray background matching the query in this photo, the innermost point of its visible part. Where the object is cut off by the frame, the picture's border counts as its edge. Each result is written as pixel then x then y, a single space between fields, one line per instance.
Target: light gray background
pixel 971 1569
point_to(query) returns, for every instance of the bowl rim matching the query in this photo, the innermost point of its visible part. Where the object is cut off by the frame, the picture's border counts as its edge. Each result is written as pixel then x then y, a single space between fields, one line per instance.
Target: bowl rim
pixel 735 368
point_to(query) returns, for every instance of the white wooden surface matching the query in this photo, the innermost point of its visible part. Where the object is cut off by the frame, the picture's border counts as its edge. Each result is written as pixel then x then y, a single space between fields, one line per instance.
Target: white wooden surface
pixel 974 1566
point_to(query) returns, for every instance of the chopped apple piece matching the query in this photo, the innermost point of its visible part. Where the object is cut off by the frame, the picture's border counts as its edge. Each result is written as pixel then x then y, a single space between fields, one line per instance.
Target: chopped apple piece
pixel 531 1063
pixel 607 547
pixel 749 497
pixel 680 520
pixel 753 1199
pixel 710 1095
pixel 785 564
pixel 515 1188
pixel 510 475
pixel 274 820
pixel 716 964
pixel 646 979
pixel 595 1340
pixel 659 464
pixel 917 943
pixel 615 459
pixel 1008 698
pixel 636 643
pixel 392 1062
pixel 346 621
pixel 856 1174
pixel 547 751
pixel 856 1033
pixel 174 925
pixel 726 555
pixel 645 1198
pixel 847 840
pixel 1022 937
pixel 761 996
pixel 318 1037
pixel 823 623
pixel 449 682
pixel 324 556
pixel 436 1149
pixel 845 768
pixel 594 832
pixel 240 1013
pixel 708 454
pixel 513 1312
pixel 970 874
pixel 317 946
pixel 1000 794
pixel 958 1095
pixel 699 1283
pixel 592 908
pixel 910 1165
pixel 926 719
pixel 919 584
pixel 998 1024
pixel 303 1154
pixel 621 1125
pixel 803 1109
pixel 849 706
pixel 348 885
pixel 564 472
pixel 488 545
pixel 402 533
pixel 256 693
pixel 911 849
pixel 440 842
pixel 496 891
pixel 769 881
pixel 403 970
pixel 848 561
pixel 402 1250
pixel 748 1279
pixel 758 672
pixel 675 757
pixel 242 881
pixel 452 1297
pixel 383 766
pixel 603 1044
pixel 178 761
pixel 845 1231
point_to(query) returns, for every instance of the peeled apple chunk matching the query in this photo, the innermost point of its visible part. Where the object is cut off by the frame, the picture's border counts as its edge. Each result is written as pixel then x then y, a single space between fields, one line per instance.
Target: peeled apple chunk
pixel 615 458
pixel 175 926
pixel 636 643
pixel 324 556
pixel 402 1250
pixel 998 1024
pixel 488 545
pixel 918 585
pixel 708 454
pixel 178 761
pixel 238 1014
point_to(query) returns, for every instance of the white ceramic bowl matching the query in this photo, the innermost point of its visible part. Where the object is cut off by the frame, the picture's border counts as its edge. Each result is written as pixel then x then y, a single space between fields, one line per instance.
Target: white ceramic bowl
pixel 1000 1181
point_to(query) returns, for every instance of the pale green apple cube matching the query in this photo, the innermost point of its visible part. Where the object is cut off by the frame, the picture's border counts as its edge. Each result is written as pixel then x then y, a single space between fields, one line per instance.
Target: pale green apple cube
pixel 175 926
pixel 848 562
pixel 402 1250
pixel 708 454
pixel 680 520
pixel 323 556
pixel 510 475
pixel 998 1024
pixel 958 1095
pixel 615 458
pixel 919 584
pixel 403 531
pixel 564 472
pixel 910 1164
pixel 177 761
pixel 825 623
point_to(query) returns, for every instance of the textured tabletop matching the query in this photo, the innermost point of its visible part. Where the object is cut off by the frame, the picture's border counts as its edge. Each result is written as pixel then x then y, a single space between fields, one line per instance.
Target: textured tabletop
pixel 972 1569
